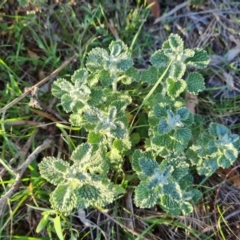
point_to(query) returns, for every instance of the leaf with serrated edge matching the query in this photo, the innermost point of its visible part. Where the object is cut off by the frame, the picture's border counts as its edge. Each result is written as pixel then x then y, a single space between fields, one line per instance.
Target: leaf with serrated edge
pixel 54 169
pixel 195 83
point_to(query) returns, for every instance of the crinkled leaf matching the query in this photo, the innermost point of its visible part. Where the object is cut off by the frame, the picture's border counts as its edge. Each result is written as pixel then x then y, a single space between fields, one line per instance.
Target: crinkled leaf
pixel 60 87
pixel 183 113
pixel 119 130
pixel 164 127
pixel 147 166
pixel 95 138
pixel 96 58
pixel 137 155
pixel 82 153
pixel 53 169
pixel 159 59
pixel 195 83
pixel 150 75
pixel 131 75
pixel 175 42
pixel 175 87
pixel 96 193
pixel 177 70
pixel 200 59
pixel 63 199
pixel 145 197
pixel 183 135
pixel 122 145
pixel 80 77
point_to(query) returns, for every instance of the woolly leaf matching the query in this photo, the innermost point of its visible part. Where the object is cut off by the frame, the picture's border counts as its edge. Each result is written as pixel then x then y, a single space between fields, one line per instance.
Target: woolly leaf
pixel 164 127
pixel 175 42
pixel 200 59
pixel 122 145
pixel 159 111
pixel 63 199
pixel 119 130
pixel 60 87
pixel 76 119
pixel 162 141
pixel 181 167
pixel 82 153
pixel 96 193
pixel 195 83
pixel 177 70
pixel 116 47
pixel 159 59
pixel 105 78
pixel 150 75
pixel 183 113
pixel 175 87
pixel 138 154
pixel 170 205
pixel 95 138
pixel 118 60
pixel 188 53
pixel 96 58
pixel 147 166
pixel 115 158
pixel 53 169
pixel 97 96
pixel 145 197
pixel 73 97
pixel 79 77
pixel 183 135
pixel 131 75
pixel 173 121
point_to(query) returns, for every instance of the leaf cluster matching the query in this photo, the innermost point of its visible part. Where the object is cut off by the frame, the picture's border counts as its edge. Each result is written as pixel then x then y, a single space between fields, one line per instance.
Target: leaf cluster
pixel 107 99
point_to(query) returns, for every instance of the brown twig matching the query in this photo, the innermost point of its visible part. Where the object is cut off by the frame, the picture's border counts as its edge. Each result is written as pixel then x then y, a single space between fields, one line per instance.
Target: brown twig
pixel 31 89
pixel 20 172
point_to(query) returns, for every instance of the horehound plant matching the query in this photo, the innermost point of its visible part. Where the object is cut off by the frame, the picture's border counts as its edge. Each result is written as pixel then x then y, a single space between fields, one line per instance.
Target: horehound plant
pixel 111 100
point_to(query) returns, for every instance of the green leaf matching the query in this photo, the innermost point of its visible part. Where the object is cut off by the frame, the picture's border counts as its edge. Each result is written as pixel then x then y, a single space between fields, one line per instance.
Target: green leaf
pixel 150 75
pixel 96 58
pixel 136 156
pixel 135 138
pixel 58 227
pixel 175 87
pixel 175 42
pixel 96 193
pixel 42 224
pixel 164 127
pixel 181 167
pixel 183 135
pixel 80 77
pixel 82 153
pixel 177 70
pixel 131 75
pixel 183 113
pixel 200 59
pixel 122 145
pixel 105 78
pixel 145 197
pixel 117 47
pixel 53 169
pixel 95 138
pixel 63 199
pixel 115 158
pixel 60 87
pixel 147 166
pixel 159 59
pixel 73 97
pixel 195 83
